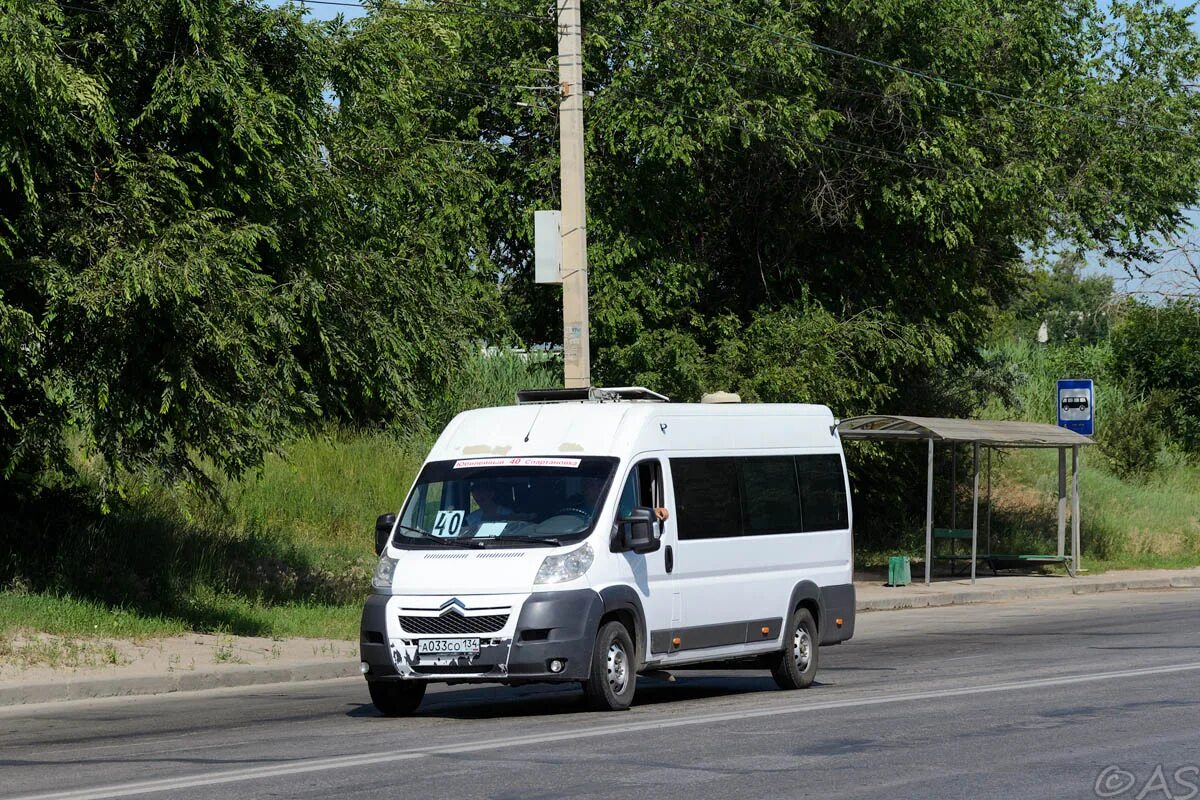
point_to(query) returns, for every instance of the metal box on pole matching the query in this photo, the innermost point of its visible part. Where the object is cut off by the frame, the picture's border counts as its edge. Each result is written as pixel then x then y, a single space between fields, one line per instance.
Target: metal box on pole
pixel 547 247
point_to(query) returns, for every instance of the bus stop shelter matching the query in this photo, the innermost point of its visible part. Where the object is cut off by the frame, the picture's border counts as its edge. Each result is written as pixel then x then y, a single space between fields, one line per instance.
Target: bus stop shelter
pixel 982 434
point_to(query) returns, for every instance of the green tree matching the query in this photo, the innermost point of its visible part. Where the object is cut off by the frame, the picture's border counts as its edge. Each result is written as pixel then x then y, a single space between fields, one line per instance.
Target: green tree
pixel 1074 307
pixel 219 222
pixel 741 164
pixel 1156 349
pixel 201 252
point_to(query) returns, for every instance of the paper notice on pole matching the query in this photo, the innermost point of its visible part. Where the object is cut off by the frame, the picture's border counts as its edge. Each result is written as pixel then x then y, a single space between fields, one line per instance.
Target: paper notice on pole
pixel 573 346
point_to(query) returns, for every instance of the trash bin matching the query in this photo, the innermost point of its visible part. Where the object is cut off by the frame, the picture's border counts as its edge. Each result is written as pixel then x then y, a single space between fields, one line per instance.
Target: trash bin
pixel 899 572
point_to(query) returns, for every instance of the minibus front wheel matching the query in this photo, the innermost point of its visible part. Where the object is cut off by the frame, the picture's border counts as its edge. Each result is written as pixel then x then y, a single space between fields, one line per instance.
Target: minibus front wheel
pixel 613 677
pixel 797 664
pixel 396 698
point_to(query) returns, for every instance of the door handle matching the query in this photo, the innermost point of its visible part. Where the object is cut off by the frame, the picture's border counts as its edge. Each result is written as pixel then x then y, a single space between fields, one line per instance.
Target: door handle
pixel 669 557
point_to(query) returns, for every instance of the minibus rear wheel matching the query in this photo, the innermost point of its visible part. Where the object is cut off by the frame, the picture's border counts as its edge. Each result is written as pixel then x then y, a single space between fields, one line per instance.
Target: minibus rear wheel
pixel 396 698
pixel 797 664
pixel 613 678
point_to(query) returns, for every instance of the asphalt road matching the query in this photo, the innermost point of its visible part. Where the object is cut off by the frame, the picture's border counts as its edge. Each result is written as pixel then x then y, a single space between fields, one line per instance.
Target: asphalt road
pixel 1022 699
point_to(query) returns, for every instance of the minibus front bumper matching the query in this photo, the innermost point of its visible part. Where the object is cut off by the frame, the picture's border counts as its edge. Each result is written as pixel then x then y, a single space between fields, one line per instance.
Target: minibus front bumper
pixel 551 627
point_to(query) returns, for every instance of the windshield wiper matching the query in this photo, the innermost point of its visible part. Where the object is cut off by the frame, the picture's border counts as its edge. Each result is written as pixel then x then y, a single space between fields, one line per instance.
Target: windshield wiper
pixel 551 542
pixel 452 542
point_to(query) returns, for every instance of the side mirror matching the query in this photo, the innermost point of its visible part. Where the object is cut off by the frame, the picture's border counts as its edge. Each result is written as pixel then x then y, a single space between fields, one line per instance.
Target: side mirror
pixel 638 532
pixel 383 529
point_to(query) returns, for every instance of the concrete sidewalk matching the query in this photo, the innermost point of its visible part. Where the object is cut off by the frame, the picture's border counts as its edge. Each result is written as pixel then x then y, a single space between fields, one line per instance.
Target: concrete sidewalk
pixel 873 595
pixel 41 668
pixel 156 667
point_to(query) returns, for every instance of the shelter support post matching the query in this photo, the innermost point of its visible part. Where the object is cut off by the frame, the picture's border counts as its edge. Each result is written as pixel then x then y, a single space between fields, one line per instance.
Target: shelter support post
pixel 929 515
pixel 1062 502
pixel 953 485
pixel 974 511
pixel 989 502
pixel 1075 510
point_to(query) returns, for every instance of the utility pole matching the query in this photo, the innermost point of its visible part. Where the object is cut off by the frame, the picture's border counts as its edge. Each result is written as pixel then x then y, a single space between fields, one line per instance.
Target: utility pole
pixel 577 364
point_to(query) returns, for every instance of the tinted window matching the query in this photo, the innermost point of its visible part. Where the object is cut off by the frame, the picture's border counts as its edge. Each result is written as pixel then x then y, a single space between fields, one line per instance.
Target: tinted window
pixel 721 497
pixel 707 498
pixel 770 495
pixel 822 492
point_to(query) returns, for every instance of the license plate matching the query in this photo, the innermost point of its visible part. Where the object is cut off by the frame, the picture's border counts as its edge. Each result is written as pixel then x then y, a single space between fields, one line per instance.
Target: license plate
pixel 448 647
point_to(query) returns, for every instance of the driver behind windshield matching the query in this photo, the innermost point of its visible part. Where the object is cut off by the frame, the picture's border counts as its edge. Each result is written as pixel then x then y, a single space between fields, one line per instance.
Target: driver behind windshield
pixel 584 502
pixel 489 509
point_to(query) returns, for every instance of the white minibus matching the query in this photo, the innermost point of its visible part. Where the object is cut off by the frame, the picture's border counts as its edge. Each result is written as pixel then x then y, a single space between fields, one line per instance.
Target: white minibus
pixel 588 536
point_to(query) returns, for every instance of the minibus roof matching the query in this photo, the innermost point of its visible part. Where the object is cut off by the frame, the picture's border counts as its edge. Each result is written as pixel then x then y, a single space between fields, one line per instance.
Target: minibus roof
pixel 613 428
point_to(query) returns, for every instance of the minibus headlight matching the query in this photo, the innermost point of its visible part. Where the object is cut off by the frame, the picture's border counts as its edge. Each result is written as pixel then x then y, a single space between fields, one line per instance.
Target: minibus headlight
pixel 384 570
pixel 566 567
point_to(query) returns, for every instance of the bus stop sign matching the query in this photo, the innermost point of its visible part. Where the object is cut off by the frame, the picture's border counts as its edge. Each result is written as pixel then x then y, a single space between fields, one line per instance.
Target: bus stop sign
pixel 1077 405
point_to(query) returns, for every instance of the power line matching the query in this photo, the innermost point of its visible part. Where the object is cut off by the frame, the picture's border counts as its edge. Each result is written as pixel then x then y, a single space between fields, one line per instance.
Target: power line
pixel 930 76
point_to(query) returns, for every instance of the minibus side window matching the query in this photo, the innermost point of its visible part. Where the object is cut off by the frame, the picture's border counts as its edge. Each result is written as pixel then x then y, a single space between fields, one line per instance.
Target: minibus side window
pixel 643 489
pixel 707 497
pixel 771 495
pixel 822 492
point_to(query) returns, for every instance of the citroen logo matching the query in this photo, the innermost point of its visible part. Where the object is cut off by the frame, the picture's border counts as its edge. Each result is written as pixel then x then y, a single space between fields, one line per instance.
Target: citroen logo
pixel 449 606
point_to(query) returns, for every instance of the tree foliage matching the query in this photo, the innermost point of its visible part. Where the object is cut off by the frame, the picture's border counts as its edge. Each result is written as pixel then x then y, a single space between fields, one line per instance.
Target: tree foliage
pixel 1157 350
pixel 219 221
pixel 742 164
pixel 1075 308
pixel 202 252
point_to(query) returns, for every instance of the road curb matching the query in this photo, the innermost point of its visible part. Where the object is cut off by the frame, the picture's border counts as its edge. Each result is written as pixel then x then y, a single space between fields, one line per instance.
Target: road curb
pixel 234 676
pixel 184 681
pixel 977 595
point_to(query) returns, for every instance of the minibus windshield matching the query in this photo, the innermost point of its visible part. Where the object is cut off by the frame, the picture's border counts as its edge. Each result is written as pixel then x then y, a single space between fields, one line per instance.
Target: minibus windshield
pixel 505 502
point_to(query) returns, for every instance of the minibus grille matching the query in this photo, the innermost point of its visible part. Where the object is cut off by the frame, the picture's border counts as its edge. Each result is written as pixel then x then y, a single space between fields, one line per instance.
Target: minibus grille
pixel 454 623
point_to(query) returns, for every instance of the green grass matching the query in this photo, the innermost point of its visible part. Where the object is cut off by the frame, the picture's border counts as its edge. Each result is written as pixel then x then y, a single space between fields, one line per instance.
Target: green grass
pixel 67 616
pixel 286 551
pixel 327 491
pixel 1123 524
pixel 1152 522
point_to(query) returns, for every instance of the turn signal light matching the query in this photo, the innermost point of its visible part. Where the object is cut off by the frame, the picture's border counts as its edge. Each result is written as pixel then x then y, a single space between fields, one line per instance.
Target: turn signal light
pixel 677 641
pixel 766 630
pixel 839 621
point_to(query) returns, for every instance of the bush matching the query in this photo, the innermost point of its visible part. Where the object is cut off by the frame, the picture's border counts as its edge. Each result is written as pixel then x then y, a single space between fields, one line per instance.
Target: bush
pixel 1157 350
pixel 1130 441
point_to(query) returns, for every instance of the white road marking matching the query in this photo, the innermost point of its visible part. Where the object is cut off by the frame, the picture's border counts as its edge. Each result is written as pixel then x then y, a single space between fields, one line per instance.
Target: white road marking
pixel 365 759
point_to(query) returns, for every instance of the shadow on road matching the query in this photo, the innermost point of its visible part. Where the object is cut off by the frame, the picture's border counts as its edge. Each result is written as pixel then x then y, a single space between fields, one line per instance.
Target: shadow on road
pixel 501 702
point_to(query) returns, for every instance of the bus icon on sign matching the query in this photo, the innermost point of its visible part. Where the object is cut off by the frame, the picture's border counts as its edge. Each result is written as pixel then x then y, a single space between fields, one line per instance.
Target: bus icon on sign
pixel 1076 406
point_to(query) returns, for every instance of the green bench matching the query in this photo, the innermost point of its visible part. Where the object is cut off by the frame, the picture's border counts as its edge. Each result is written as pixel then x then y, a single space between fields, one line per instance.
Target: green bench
pixel 994 561
pixel 952 535
pixel 999 561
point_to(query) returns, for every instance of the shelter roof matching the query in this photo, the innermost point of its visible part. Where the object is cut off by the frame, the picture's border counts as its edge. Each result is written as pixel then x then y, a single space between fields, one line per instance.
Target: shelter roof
pixel 996 433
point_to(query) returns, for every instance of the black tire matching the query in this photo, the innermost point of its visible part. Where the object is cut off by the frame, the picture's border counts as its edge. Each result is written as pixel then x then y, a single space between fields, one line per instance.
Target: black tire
pixel 396 698
pixel 613 678
pixel 796 667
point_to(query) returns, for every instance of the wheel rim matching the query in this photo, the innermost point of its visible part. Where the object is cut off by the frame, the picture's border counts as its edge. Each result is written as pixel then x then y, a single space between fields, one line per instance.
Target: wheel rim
pixel 618 668
pixel 802 648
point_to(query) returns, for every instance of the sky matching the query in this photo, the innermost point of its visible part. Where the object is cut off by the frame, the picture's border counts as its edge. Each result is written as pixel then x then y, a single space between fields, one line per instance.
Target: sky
pixel 1096 263
pixel 325 12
